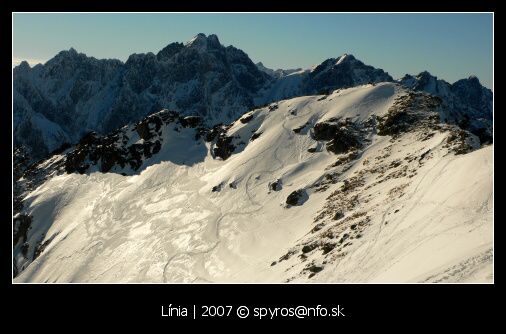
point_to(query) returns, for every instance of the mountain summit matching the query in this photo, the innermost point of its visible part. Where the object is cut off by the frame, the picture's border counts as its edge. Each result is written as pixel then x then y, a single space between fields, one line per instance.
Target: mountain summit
pixel 203 42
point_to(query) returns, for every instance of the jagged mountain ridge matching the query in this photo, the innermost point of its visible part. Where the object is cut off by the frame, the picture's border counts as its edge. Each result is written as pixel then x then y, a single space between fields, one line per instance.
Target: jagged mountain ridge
pixel 276 73
pixel 306 189
pixel 73 94
pixel 465 102
pixel 334 73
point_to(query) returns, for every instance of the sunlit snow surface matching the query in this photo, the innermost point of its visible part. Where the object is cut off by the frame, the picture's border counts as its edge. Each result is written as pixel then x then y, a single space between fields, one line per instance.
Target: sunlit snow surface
pixel 166 225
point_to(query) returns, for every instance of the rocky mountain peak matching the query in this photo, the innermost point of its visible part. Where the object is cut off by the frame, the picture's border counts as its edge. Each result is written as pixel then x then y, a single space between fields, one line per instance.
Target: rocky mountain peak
pixel 22 68
pixel 169 51
pixel 344 71
pixel 345 58
pixel 472 81
pixel 203 43
pixel 425 74
pixel 24 64
pixel 137 58
pixel 68 54
pixel 67 58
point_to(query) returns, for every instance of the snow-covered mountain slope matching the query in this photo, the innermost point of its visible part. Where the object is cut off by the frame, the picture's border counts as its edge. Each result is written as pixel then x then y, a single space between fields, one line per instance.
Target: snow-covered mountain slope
pixel 284 87
pixel 362 185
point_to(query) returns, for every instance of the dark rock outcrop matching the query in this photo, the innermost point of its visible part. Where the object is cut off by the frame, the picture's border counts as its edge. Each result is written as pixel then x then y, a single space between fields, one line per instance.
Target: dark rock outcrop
pixel 113 150
pixel 224 147
pixel 217 188
pixel 408 111
pixel 341 136
pixel 255 136
pixel 308 248
pixel 246 119
pixel 466 102
pixel 297 197
pixel 276 185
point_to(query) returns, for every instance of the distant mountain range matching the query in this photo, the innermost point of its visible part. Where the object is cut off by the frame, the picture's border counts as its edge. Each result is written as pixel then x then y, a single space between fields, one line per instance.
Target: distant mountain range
pixel 72 94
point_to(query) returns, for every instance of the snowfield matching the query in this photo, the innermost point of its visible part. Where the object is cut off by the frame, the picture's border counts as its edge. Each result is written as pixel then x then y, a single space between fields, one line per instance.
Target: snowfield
pixel 412 209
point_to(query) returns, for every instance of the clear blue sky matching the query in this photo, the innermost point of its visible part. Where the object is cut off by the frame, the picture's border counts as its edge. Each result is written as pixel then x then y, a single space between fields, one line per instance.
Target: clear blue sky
pixel 450 46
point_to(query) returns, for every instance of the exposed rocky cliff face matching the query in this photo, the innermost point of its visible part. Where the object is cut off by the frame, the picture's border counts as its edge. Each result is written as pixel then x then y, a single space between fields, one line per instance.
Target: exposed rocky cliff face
pixel 465 102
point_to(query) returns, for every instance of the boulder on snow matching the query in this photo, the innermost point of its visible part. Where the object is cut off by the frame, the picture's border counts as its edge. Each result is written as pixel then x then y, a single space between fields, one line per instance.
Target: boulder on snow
pixel 328 247
pixel 314 269
pixel 297 197
pixel 217 188
pixel 308 248
pixel 276 185
pixel 246 119
pixel 255 136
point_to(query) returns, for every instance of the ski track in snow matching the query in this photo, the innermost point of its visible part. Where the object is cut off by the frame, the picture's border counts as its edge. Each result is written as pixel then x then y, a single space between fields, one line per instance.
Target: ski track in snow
pixel 165 225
